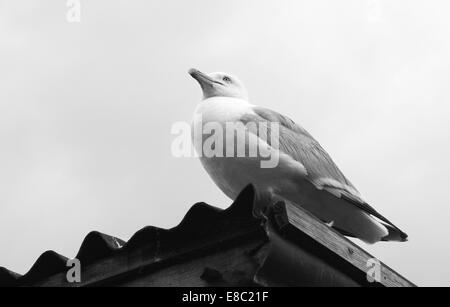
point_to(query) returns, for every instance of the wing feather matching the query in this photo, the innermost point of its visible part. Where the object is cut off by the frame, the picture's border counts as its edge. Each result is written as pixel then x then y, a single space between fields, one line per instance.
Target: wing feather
pixel 296 142
pixel 301 146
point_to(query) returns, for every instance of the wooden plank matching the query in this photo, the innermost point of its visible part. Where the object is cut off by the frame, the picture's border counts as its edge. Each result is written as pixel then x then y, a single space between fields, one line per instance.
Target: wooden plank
pixel 233 267
pixel 329 238
pixel 124 266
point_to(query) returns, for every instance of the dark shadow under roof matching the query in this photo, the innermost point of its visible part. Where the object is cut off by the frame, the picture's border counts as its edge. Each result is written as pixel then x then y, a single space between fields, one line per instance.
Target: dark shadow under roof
pixel 195 226
pixel 297 249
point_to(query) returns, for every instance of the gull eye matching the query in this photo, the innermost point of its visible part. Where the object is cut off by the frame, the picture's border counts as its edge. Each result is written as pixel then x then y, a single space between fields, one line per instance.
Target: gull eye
pixel 226 79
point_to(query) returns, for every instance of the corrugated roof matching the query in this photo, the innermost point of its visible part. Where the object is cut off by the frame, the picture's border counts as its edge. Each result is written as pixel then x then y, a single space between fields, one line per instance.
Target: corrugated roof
pixel 195 226
pixel 289 247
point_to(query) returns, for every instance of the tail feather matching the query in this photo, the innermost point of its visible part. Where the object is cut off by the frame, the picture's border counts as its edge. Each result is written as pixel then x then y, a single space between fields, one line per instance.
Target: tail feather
pixel 395 234
pixel 367 228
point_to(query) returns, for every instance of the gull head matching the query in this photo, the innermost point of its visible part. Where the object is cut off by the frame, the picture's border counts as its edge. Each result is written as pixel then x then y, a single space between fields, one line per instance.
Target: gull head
pixel 219 84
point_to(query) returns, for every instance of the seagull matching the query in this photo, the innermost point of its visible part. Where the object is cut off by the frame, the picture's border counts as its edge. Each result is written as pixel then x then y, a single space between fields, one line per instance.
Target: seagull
pixel 304 174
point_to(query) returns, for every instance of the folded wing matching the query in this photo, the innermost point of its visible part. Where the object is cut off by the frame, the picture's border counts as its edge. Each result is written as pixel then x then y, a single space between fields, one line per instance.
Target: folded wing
pixel 321 170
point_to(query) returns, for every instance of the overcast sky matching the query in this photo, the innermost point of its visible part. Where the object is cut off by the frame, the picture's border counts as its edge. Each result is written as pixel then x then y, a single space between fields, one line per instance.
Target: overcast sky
pixel 86 111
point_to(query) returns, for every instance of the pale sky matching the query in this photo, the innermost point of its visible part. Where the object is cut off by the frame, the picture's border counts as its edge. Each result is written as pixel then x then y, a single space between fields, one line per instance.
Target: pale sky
pixel 86 111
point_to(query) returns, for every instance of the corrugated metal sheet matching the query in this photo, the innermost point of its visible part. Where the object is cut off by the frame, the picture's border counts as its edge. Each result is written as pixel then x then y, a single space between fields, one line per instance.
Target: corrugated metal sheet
pixel 284 246
pixel 196 226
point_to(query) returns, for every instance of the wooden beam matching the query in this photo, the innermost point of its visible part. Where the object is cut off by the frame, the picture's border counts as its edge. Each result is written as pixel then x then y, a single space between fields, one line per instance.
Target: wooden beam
pixel 302 224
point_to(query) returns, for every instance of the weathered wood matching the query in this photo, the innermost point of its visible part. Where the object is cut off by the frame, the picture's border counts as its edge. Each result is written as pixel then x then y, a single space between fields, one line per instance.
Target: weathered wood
pixel 290 216
pixel 285 246
pixel 140 267
pixel 232 267
pixel 288 265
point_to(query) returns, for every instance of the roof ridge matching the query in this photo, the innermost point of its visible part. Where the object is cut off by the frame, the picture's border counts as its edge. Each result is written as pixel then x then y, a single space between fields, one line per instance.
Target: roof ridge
pixel 96 245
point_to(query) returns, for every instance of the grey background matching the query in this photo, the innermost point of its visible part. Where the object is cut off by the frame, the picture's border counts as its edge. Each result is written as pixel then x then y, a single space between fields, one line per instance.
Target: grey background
pixel 86 111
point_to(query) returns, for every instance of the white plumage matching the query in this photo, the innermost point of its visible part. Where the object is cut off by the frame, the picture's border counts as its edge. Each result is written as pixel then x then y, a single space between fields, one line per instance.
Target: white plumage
pixel 305 173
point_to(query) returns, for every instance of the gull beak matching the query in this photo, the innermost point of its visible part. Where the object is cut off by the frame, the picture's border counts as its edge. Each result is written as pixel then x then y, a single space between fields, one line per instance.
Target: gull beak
pixel 201 78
